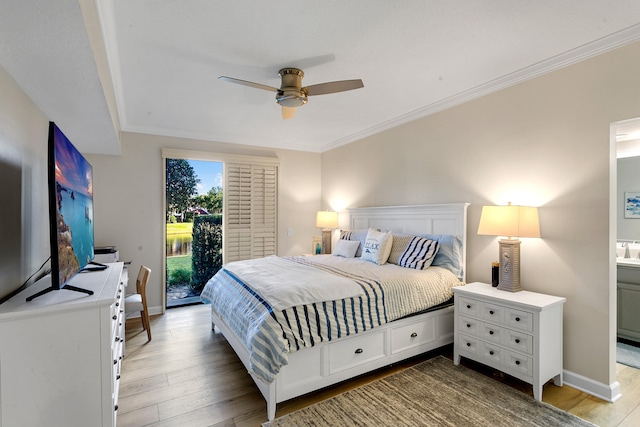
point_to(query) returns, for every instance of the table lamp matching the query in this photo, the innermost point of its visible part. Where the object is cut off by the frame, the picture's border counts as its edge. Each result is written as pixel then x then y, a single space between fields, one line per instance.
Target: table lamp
pixel 327 221
pixel 510 221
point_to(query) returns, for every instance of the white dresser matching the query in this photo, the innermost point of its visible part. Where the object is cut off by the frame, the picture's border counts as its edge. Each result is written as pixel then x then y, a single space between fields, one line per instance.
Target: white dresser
pixel 519 333
pixel 61 353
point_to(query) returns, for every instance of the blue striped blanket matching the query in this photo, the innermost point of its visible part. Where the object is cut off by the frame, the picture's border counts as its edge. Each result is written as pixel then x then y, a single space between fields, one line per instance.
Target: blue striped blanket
pixel 388 293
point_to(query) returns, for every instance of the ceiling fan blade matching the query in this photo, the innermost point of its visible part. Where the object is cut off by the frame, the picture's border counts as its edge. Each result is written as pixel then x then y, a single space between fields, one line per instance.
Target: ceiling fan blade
pixel 333 87
pixel 288 113
pixel 247 83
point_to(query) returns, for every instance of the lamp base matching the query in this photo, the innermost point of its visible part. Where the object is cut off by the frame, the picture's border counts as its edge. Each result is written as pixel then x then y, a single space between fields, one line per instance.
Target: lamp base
pixel 510 265
pixel 326 240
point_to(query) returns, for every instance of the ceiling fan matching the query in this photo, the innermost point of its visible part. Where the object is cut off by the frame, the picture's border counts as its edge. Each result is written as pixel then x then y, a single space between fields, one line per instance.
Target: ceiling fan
pixel 291 94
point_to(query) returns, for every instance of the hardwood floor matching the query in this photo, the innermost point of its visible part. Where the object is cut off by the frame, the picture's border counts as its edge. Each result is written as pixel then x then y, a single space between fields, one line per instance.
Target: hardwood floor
pixel 189 376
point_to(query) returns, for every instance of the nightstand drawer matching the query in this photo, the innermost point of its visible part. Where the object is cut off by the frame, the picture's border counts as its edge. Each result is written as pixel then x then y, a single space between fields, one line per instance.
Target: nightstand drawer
pixel 468 325
pixel 518 363
pixel 470 307
pixel 470 344
pixel 493 312
pixel 522 320
pixel 517 340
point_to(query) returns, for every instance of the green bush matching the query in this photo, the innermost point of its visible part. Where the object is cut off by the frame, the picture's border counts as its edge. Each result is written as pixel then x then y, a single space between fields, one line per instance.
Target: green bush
pixel 206 252
pixel 180 276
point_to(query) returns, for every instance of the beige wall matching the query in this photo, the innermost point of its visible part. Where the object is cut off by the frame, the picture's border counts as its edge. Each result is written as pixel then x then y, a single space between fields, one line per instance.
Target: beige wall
pixel 129 192
pixel 544 143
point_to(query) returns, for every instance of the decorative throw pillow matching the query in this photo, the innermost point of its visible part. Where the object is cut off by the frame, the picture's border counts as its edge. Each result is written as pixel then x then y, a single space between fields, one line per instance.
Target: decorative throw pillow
pixel 359 235
pixel 419 254
pixel 346 248
pixel 377 246
pixel 399 245
pixel 449 253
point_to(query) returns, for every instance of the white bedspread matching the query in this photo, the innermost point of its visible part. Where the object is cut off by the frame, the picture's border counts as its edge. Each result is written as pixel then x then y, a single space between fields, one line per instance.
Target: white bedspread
pixel 285 284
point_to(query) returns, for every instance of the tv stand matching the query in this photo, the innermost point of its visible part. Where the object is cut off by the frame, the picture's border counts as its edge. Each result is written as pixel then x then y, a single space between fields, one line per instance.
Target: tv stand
pixel 62 353
pixel 69 287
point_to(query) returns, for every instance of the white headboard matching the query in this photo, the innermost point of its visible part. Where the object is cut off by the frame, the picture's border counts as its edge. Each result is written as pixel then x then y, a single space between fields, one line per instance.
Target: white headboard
pixel 449 218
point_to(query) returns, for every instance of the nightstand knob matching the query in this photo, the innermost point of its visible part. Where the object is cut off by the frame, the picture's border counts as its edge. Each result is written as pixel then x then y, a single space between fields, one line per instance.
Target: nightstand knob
pixel 517 340
pixel 468 325
pixel 490 332
pixel 413 335
pixel 491 312
pixel 358 351
pixel 517 319
pixel 517 362
pixel 468 344
pixel 468 305
pixel 491 352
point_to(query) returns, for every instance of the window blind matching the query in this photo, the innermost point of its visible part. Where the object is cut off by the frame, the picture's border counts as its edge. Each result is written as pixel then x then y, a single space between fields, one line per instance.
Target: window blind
pixel 251 211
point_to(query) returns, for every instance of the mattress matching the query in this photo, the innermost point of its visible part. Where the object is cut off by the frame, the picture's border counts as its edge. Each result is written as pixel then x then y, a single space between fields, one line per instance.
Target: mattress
pixel 387 293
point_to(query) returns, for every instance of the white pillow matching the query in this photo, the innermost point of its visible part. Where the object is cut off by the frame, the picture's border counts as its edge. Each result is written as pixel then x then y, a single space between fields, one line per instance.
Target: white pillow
pixel 346 248
pixel 377 246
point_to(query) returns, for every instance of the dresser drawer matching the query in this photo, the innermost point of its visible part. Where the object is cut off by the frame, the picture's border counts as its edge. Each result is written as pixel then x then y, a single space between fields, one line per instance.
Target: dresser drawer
pixel 470 344
pixel 355 351
pixel 493 312
pixel 517 340
pixel 469 307
pixel 518 363
pixel 412 335
pixel 518 319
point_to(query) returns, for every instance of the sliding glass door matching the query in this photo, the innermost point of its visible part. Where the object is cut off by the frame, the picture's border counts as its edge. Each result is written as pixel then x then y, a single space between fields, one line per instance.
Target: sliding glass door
pixel 194 206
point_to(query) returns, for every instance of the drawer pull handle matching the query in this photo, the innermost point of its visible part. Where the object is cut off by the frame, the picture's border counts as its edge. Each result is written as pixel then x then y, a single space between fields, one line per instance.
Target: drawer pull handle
pixel 114 317
pixel 517 319
pixel 413 335
pixel 517 340
pixel 359 350
pixel 518 362
pixel 468 305
pixel 491 352
pixel 116 408
pixel 490 332
pixel 468 325
pixel 468 344
pixel 491 312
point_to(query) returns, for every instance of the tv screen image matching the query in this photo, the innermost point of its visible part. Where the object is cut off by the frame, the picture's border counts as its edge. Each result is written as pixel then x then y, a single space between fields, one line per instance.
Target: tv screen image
pixel 70 211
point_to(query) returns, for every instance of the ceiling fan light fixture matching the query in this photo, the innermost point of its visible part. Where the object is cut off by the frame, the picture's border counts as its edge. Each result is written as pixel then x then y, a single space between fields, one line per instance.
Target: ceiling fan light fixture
pixel 291 99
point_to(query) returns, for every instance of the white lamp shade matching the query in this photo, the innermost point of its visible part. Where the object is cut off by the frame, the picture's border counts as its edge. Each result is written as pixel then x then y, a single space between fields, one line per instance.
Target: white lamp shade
pixel 326 219
pixel 509 221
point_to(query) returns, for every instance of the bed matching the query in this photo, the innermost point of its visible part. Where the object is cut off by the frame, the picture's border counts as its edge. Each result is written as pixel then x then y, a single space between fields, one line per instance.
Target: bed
pixel 353 316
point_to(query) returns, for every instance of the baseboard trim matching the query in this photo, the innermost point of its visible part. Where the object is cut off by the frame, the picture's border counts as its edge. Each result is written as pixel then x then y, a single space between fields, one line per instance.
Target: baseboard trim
pixel 609 393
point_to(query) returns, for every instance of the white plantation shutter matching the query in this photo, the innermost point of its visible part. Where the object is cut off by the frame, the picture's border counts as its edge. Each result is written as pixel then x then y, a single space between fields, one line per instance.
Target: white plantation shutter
pixel 251 196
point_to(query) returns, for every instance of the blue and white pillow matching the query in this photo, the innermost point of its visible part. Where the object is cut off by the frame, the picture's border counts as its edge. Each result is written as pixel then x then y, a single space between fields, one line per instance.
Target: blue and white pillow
pixel 419 254
pixel 377 246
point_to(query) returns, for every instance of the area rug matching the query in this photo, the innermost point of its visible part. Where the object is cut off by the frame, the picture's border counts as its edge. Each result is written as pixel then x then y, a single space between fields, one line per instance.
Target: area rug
pixel 628 355
pixel 432 393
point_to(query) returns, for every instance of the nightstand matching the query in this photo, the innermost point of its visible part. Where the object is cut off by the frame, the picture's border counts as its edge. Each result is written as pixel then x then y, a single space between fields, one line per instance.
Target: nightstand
pixel 518 333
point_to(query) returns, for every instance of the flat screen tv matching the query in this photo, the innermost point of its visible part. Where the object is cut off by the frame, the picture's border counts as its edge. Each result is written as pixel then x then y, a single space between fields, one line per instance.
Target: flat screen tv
pixel 70 178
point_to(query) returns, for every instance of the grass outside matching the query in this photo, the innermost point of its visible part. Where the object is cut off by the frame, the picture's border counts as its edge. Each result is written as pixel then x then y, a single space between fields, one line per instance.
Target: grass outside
pixel 179 228
pixel 179 262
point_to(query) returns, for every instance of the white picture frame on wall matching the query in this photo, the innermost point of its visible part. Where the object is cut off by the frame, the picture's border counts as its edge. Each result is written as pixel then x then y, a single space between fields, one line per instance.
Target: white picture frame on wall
pixel 632 204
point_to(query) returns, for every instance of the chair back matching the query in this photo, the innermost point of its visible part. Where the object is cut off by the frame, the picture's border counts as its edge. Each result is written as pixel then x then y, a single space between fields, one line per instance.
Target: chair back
pixel 141 281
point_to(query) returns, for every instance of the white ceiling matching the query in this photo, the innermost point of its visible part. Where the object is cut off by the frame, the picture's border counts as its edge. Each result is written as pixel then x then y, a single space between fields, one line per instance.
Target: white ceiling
pixel 164 56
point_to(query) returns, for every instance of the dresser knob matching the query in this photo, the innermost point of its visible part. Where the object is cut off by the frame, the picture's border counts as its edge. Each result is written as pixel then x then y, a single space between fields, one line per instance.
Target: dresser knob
pixel 491 352
pixel 517 340
pixel 517 319
pixel 468 344
pixel 518 362
pixel 358 351
pixel 468 325
pixel 114 317
pixel 413 335
pixel 490 332
pixel 491 312
pixel 468 305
